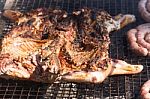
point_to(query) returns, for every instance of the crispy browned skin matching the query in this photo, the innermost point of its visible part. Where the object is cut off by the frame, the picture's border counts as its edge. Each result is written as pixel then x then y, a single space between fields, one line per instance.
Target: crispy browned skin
pixel 31 45
pixel 49 44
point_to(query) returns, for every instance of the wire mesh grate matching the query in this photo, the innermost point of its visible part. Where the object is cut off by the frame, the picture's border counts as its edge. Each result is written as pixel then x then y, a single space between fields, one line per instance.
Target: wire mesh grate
pixel 116 87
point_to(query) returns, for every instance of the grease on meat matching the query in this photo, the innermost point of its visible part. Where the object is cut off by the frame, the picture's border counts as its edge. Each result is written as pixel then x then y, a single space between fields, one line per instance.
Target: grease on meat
pixel 52 45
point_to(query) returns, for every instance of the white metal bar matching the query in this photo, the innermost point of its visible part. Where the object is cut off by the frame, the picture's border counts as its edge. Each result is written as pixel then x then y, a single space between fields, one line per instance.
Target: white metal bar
pixel 8 4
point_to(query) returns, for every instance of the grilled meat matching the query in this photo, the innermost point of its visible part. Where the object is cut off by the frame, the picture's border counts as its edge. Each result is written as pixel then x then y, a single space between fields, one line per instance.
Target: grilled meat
pixel 49 44
pixel 144 9
pixel 139 39
pixel 145 93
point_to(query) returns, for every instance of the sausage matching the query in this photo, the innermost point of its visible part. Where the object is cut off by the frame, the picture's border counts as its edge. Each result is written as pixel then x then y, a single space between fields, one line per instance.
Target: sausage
pixel 145 90
pixel 139 39
pixel 144 9
pixel 134 45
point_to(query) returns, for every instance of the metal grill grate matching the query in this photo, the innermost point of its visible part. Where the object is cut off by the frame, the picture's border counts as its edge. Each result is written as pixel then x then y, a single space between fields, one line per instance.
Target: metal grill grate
pixel 116 87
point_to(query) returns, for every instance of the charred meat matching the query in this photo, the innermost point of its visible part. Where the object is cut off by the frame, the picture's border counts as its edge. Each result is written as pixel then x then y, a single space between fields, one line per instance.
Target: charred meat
pixel 50 45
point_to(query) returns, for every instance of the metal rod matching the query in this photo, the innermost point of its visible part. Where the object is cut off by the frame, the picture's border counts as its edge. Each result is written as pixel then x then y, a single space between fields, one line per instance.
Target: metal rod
pixel 8 4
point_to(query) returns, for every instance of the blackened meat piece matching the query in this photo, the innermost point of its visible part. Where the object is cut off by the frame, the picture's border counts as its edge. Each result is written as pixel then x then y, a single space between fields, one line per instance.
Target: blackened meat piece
pixel 49 44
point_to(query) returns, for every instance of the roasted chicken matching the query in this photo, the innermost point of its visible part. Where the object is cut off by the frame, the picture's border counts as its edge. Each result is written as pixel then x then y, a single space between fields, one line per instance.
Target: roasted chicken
pixel 49 45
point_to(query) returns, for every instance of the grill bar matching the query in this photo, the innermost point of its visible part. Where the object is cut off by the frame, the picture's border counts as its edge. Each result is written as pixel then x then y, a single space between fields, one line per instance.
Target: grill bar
pixel 8 4
pixel 115 87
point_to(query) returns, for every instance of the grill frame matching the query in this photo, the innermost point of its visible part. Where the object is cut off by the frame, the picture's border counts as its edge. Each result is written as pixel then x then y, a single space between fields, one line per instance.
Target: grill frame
pixel 115 87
